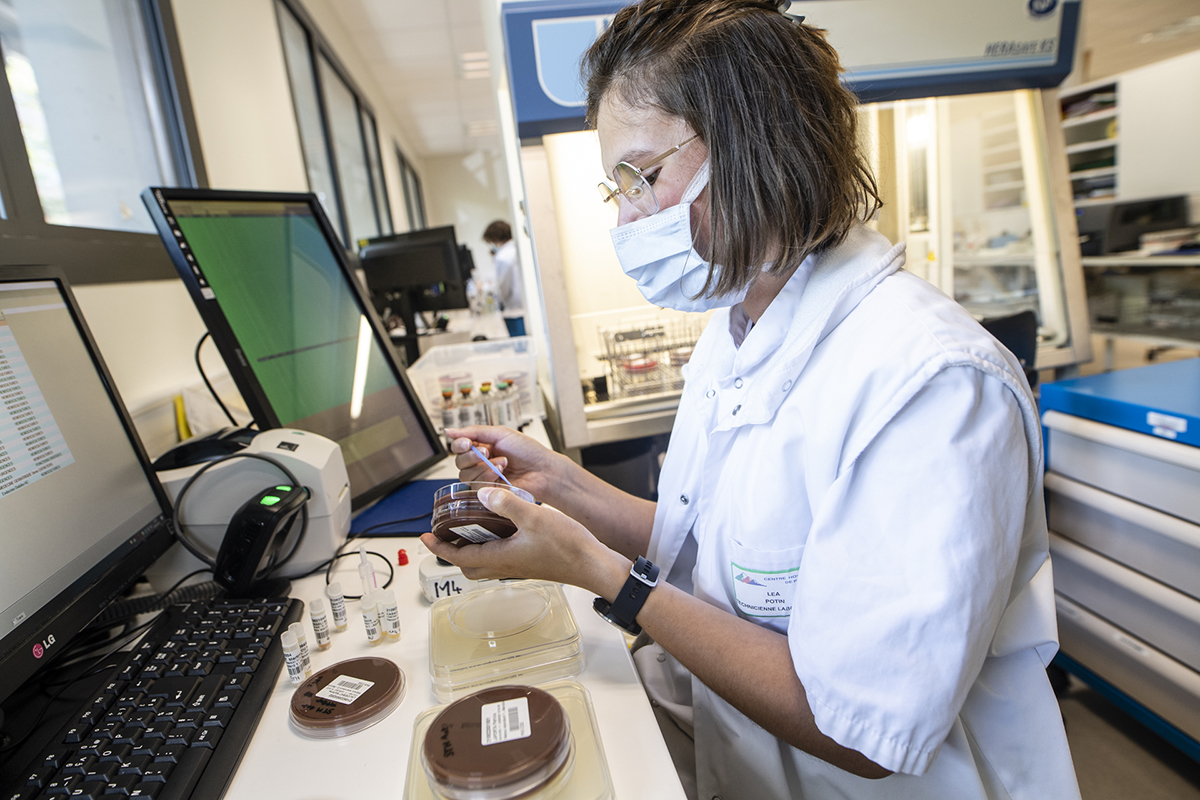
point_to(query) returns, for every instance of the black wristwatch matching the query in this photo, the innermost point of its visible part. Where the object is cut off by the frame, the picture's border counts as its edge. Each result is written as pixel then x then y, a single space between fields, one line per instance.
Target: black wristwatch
pixel 622 612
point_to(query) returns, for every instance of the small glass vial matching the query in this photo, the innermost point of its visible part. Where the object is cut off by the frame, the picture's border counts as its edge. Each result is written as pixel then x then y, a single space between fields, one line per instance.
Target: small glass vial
pixel 320 623
pixel 371 621
pixel 466 405
pixel 449 410
pixel 389 615
pixel 487 402
pixel 337 604
pixel 305 659
pixel 291 657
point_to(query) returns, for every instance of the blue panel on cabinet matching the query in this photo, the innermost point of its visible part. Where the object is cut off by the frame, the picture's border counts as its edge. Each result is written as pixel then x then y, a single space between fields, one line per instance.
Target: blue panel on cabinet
pixel 1161 400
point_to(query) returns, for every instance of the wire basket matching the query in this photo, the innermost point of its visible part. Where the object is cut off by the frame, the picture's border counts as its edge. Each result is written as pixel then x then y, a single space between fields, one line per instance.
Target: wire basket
pixel 645 357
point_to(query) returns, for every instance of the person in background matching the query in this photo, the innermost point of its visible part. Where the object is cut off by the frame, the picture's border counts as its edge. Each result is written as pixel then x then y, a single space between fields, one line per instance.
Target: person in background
pixel 498 236
pixel 846 575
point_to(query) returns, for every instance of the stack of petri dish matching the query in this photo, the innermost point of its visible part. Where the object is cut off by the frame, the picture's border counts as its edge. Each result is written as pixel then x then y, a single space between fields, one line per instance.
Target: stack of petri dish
pixel 346 698
pixel 512 632
pixel 460 518
pixel 509 742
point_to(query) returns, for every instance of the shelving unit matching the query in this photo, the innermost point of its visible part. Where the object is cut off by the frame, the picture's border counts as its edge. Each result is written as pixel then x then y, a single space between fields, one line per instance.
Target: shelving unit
pixel 1003 178
pixel 1090 122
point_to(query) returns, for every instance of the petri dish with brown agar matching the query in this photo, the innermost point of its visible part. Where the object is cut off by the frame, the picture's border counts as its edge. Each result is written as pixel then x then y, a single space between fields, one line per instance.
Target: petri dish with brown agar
pixel 461 519
pixel 346 698
pixel 497 744
pixel 544 745
pixel 511 632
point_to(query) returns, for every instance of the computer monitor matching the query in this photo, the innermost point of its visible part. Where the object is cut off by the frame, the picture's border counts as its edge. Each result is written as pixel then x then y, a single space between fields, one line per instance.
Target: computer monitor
pixel 295 328
pixel 414 272
pixel 81 512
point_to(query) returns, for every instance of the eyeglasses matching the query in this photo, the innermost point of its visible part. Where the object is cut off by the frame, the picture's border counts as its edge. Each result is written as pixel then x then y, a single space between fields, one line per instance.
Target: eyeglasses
pixel 632 184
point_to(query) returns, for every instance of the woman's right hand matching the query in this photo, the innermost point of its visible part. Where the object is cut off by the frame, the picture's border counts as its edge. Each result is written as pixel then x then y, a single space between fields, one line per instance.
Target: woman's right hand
pixel 526 463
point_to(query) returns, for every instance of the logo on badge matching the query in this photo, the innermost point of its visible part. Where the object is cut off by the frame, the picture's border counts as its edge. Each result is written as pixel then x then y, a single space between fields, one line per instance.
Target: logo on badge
pixel 1040 8
pixel 38 651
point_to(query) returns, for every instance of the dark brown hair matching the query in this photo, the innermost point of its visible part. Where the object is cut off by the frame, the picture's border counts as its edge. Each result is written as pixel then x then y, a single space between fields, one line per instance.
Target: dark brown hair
pixel 762 91
pixel 497 232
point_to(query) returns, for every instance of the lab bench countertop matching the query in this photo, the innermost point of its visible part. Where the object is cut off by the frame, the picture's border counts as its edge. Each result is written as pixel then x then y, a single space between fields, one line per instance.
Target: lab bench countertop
pixel 280 762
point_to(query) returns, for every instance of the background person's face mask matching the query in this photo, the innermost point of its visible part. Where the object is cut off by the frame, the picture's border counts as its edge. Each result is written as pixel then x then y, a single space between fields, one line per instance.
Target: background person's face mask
pixel 657 252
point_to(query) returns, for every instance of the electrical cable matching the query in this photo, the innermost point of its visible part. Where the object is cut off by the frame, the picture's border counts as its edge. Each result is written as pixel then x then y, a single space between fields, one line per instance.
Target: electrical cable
pixel 122 610
pixel 194 549
pixel 211 390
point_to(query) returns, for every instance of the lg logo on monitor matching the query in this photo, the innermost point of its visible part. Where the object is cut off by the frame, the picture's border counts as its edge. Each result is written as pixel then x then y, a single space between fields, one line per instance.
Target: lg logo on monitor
pixel 40 649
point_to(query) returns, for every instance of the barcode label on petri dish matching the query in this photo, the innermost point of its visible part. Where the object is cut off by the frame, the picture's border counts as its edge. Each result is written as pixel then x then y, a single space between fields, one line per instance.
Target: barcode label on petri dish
pixel 475 533
pixel 504 721
pixel 344 689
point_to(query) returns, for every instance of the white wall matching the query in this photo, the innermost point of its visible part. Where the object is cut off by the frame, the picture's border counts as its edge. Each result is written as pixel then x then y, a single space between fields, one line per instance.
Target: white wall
pixel 1159 112
pixel 468 192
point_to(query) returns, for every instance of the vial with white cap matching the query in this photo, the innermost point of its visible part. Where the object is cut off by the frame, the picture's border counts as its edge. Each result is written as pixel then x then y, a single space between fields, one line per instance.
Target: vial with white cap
pixel 320 623
pixel 291 657
pixel 305 660
pixel 337 604
pixel 389 615
pixel 371 621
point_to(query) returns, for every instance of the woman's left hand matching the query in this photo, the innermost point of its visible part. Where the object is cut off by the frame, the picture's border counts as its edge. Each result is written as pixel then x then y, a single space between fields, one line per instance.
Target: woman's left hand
pixel 548 545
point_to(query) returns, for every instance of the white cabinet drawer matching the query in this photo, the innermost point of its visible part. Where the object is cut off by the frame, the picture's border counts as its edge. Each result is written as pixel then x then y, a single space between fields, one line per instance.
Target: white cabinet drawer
pixel 1164 547
pixel 1159 615
pixel 1153 472
pixel 1161 684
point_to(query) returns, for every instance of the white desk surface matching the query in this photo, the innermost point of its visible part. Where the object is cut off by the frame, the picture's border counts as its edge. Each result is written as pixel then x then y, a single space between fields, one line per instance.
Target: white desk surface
pixel 280 763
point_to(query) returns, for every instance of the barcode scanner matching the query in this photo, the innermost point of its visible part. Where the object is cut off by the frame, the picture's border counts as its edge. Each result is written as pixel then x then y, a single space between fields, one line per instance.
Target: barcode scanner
pixel 256 534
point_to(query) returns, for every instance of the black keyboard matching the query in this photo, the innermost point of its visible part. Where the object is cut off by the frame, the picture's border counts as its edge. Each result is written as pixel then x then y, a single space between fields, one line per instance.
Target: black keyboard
pixel 174 721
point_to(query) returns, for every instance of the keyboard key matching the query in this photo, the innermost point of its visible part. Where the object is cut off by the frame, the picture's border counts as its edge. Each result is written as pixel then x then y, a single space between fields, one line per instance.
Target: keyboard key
pixel 122 785
pixel 90 790
pixel 58 756
pixel 203 697
pixel 148 747
pixel 147 790
pixel 102 771
pixel 116 752
pixel 78 765
pixel 128 735
pixel 236 683
pixel 158 730
pixel 94 745
pixel 40 777
pixel 170 752
pixel 23 793
pixel 246 665
pixel 136 765
pixel 190 719
pixel 63 785
pixel 207 737
pixel 176 691
pixel 182 736
pixel 227 699
pixel 159 771
pixel 219 718
pixel 76 734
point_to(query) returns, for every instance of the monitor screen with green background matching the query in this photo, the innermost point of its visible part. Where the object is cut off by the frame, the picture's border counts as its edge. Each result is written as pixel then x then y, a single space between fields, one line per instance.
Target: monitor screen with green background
pixel 272 272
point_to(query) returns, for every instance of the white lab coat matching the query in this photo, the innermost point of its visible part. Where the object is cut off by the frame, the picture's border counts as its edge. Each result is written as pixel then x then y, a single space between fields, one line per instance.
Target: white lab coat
pixel 508 281
pixel 864 474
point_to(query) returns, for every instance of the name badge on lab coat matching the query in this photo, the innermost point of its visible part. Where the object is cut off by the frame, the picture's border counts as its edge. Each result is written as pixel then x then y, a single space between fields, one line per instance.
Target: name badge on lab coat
pixel 762 593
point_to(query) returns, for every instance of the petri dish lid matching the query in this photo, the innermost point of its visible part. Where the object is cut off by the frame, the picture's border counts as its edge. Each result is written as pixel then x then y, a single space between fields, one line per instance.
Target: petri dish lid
pixel 501 742
pixel 347 697
pixel 499 612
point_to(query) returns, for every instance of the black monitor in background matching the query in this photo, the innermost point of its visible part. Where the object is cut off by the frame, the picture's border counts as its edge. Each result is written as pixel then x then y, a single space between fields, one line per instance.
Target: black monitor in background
pixel 1131 219
pixel 415 272
pixel 81 512
pixel 297 332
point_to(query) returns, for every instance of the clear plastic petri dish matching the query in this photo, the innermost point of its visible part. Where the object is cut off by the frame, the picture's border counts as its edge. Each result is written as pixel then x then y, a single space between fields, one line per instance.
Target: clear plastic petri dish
pixel 460 518
pixel 509 632
pixel 529 772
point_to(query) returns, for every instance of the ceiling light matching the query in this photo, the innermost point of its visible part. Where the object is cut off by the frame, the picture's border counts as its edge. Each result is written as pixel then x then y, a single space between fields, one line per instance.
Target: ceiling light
pixel 475 64
pixel 483 127
pixel 1176 29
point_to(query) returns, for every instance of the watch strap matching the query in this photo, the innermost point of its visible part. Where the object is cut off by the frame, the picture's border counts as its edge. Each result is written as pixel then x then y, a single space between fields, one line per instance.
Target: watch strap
pixel 623 611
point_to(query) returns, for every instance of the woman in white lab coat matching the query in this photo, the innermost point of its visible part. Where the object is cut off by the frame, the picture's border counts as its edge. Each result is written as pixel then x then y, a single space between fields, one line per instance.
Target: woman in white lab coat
pixel 856 597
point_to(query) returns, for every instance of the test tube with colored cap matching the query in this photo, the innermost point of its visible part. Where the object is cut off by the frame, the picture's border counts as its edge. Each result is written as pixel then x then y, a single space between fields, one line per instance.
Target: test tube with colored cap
pixel 371 620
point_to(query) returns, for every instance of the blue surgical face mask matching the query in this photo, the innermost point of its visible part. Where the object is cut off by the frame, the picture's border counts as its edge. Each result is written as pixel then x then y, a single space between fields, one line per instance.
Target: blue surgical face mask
pixel 657 252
